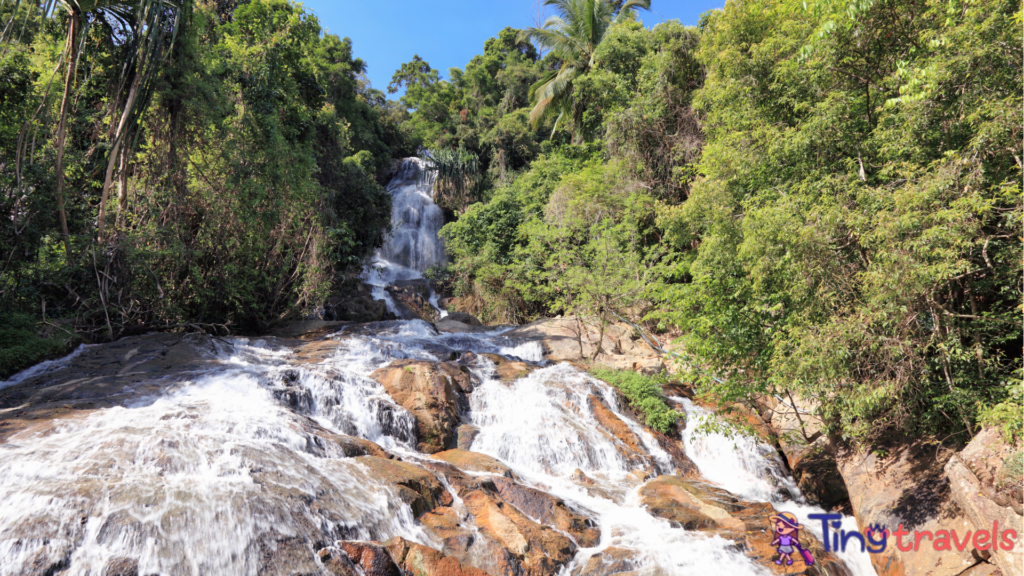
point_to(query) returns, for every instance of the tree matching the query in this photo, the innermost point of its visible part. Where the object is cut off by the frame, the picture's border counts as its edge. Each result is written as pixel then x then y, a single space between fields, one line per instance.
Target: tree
pixel 572 37
pixel 144 24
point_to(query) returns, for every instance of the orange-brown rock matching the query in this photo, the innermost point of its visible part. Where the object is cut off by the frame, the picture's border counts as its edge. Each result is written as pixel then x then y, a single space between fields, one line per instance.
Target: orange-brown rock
pixel 989 492
pixel 905 483
pixel 417 487
pixel 473 462
pixel 541 550
pixel 418 560
pixel 627 442
pixel 608 562
pixel 372 558
pixel 550 511
pixel 676 500
pixel 715 510
pixel 509 370
pixel 433 392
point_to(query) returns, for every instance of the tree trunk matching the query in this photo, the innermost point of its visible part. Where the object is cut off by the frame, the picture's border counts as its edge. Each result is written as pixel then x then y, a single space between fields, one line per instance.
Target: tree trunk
pixel 72 63
pixel 119 138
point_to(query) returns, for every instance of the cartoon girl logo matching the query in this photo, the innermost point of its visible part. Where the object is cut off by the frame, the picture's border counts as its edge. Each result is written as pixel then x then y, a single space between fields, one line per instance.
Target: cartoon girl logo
pixel 787 533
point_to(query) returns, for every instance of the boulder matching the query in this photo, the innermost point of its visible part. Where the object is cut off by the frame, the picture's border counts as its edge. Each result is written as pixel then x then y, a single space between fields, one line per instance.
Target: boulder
pixel 433 392
pixel 809 452
pixel 532 532
pixel 463 318
pixel 608 562
pixel 566 340
pixel 988 495
pixel 419 560
pixel 473 462
pixel 417 487
pixel 465 436
pixel 688 505
pixel 699 506
pixel 506 370
pixel 903 484
pixel 625 440
pixel 372 559
pixel 550 511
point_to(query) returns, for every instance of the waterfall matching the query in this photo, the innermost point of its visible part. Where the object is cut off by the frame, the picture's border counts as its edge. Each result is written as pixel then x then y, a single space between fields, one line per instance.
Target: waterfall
pixel 751 469
pixel 413 245
pixel 207 470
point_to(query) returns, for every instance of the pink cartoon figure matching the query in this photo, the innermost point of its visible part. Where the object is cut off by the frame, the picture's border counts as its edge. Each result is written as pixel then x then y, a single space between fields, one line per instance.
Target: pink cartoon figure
pixel 787 538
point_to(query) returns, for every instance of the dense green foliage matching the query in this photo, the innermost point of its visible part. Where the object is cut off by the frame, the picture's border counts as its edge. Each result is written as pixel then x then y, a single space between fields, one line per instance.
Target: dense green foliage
pixel 644 396
pixel 248 183
pixel 823 198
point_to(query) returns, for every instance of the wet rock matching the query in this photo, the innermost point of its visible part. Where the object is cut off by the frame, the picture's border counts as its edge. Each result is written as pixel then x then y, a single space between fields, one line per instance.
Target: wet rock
pixel 988 494
pixel 473 462
pixel 433 392
pixel 466 434
pixel 417 487
pixel 463 318
pixel 450 326
pixel 608 562
pixel 412 302
pixel 337 563
pixel 373 559
pixel 506 370
pixel 286 556
pixel 550 511
pixel 104 376
pixel 817 474
pixel 688 505
pixel 711 509
pixel 904 483
pixel 626 441
pixel 122 567
pixel 579 477
pixel 356 304
pixel 541 550
pixel 524 529
pixel 422 561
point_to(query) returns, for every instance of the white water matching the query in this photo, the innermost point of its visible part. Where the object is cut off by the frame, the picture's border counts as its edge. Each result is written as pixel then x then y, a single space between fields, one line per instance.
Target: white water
pixel 751 469
pixel 219 472
pixel 413 245
pixel 200 479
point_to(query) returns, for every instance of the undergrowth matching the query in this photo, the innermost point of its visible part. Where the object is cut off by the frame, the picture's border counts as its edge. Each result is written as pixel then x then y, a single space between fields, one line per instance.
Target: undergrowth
pixel 22 345
pixel 644 395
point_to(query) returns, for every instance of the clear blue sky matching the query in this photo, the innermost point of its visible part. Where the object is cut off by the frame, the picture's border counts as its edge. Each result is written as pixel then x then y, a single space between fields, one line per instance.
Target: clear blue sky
pixel 386 33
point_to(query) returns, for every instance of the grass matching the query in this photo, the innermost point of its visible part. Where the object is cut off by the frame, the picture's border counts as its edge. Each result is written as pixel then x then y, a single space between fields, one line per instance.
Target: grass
pixel 644 395
pixel 22 346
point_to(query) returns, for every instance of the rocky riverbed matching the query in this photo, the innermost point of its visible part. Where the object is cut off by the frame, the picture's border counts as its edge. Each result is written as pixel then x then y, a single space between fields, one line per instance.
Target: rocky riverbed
pixel 374 449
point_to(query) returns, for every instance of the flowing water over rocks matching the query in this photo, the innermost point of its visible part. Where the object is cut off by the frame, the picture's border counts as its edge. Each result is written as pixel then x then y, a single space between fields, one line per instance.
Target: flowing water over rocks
pixel 377 449
pixel 197 455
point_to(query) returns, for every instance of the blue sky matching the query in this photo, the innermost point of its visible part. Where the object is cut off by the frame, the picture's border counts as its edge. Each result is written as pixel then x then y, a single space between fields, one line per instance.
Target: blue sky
pixel 386 33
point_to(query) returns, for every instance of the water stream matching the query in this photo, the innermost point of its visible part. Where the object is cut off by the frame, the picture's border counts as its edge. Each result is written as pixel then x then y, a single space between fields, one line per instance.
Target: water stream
pixel 226 470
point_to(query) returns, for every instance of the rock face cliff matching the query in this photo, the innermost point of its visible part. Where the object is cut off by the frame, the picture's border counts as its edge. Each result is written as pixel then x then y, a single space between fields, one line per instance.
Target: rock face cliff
pixel 361 449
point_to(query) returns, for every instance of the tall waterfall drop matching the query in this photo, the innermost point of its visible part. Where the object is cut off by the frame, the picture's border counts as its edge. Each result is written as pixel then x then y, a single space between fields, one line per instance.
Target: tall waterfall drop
pixel 413 245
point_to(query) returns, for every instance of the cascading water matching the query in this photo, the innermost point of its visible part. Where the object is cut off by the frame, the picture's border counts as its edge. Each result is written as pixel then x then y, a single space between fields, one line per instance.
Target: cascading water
pixel 749 468
pixel 413 245
pixel 230 463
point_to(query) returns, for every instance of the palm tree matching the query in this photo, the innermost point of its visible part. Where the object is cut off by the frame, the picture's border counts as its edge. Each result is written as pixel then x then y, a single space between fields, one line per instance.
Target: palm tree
pixel 572 36
pixel 142 23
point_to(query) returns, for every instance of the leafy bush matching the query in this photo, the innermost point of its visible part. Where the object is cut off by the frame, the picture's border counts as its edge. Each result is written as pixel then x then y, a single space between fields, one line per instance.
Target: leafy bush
pixel 644 395
pixel 21 346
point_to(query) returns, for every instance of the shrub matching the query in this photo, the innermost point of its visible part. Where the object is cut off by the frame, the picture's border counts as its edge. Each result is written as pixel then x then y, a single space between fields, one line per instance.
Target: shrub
pixel 21 346
pixel 644 395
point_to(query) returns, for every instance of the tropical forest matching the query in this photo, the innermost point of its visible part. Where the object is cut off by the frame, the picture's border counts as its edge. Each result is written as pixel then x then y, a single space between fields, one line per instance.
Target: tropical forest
pixel 613 298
